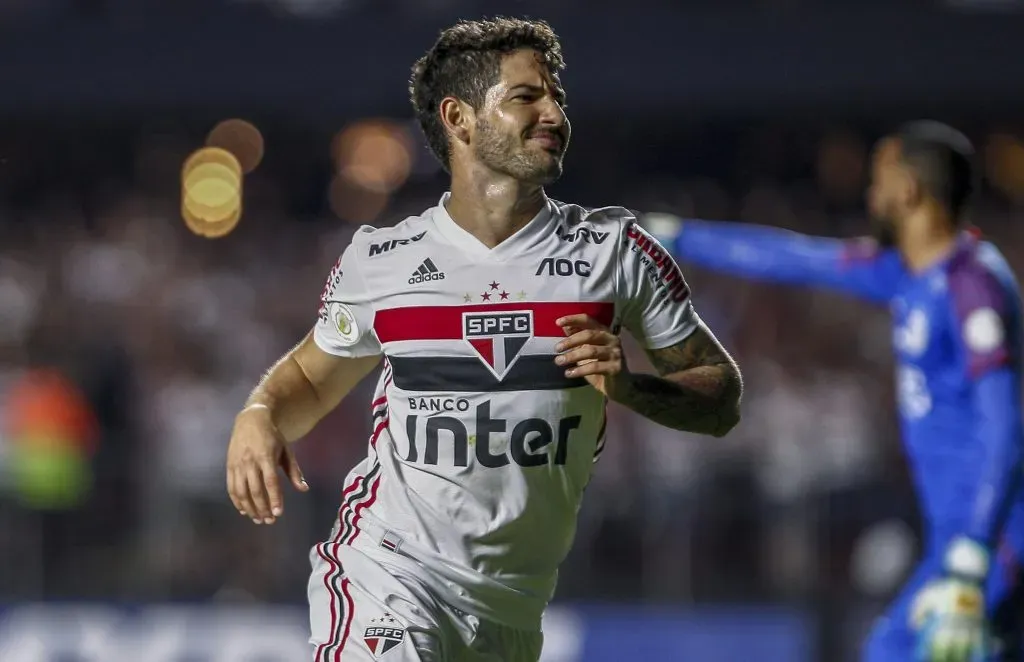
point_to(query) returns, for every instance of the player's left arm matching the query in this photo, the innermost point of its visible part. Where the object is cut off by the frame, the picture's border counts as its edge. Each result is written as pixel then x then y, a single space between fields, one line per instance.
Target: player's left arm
pixel 950 611
pixel 984 315
pixel 697 389
pixel 698 386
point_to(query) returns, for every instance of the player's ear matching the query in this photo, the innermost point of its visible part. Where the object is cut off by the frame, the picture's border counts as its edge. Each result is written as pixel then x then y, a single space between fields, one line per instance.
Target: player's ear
pixel 912 193
pixel 457 117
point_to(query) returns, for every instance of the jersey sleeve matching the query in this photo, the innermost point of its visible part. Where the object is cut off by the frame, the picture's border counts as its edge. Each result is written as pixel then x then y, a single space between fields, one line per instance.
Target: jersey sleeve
pixel 655 298
pixel 983 314
pixel 982 320
pixel 344 325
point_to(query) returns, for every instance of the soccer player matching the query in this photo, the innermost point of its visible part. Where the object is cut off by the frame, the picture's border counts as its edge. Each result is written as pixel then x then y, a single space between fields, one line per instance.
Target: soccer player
pixel 497 315
pixel 956 331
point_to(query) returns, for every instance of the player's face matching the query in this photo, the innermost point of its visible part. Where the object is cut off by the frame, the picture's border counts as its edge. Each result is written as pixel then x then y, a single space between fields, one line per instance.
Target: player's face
pixel 885 193
pixel 522 130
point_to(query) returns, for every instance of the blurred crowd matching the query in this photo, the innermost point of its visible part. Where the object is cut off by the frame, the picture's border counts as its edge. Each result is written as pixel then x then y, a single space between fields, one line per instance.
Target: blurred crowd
pixel 318 9
pixel 127 345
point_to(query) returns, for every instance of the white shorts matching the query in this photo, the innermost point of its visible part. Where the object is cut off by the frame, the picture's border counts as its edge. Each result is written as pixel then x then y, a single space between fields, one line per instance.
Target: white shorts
pixel 361 611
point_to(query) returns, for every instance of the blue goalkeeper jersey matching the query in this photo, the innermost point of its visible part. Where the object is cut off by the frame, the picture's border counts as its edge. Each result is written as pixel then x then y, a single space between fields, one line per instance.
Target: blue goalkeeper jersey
pixel 956 330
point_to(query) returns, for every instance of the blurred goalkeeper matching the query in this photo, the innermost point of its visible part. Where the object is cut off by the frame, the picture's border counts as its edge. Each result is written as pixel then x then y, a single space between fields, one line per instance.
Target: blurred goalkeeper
pixel 956 315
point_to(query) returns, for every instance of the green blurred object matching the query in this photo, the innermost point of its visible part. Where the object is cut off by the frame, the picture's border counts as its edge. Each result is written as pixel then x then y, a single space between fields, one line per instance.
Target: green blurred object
pixel 50 476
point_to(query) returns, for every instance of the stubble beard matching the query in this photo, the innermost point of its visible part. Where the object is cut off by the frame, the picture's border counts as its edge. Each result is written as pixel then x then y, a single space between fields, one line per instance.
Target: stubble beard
pixel 507 155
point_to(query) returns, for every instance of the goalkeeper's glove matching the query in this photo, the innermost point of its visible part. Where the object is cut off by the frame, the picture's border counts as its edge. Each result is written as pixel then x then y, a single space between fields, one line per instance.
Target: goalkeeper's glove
pixel 949 612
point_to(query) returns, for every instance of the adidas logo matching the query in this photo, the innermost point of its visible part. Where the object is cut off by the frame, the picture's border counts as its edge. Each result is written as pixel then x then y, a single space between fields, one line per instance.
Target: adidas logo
pixel 426 271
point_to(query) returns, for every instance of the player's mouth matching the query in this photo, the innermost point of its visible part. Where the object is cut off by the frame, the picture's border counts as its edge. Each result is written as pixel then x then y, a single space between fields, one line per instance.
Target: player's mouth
pixel 551 142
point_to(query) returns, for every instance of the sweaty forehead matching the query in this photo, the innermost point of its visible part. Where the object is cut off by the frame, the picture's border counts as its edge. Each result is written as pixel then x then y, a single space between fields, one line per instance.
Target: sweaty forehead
pixel 526 67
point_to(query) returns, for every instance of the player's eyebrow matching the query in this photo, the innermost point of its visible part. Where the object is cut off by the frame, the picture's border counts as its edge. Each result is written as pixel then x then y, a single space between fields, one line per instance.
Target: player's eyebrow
pixel 528 87
pixel 556 90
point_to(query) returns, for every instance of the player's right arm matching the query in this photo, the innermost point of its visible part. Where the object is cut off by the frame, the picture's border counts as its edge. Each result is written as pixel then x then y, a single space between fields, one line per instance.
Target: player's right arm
pixel 298 391
pixel 764 253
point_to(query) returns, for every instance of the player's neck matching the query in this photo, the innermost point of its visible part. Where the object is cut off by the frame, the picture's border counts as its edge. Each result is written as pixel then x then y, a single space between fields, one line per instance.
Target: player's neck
pixel 926 239
pixel 492 208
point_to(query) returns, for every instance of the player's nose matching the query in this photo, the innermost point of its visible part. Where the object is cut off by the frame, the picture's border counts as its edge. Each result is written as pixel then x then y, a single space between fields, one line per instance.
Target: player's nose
pixel 551 114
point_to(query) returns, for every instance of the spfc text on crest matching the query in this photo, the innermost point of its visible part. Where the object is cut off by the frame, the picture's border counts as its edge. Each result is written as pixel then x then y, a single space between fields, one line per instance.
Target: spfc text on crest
pixel 498 337
pixel 380 640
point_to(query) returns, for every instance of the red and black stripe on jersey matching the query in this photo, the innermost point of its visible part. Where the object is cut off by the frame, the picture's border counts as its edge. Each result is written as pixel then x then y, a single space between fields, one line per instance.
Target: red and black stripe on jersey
pixel 529 372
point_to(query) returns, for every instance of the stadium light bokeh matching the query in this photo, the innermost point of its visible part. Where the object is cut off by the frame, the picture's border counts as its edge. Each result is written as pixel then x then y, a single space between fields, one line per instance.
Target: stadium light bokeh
pixel 242 139
pixel 211 192
pixel 1004 164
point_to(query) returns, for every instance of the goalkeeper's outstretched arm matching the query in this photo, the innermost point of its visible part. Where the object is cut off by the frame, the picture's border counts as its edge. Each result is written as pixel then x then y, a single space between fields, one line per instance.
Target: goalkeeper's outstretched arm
pixel 757 252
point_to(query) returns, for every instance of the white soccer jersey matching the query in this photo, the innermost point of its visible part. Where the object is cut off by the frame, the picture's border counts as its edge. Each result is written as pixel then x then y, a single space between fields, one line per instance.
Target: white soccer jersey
pixel 481 447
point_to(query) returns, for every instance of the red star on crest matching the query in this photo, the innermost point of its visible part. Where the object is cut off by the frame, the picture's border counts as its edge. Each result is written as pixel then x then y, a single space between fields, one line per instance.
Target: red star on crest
pixel 504 295
pixel 495 285
pixel 485 296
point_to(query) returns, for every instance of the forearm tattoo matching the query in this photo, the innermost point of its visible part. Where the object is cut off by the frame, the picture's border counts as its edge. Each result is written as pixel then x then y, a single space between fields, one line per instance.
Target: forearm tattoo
pixel 698 390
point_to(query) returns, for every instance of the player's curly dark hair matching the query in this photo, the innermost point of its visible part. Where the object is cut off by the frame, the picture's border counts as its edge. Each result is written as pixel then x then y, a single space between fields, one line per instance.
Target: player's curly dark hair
pixel 466 61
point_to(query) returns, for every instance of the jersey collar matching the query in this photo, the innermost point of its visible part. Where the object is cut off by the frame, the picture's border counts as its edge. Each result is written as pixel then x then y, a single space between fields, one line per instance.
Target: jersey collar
pixel 522 241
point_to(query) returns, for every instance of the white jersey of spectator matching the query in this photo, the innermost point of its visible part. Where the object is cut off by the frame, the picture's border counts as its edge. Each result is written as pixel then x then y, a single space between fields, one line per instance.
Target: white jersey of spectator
pixel 481 446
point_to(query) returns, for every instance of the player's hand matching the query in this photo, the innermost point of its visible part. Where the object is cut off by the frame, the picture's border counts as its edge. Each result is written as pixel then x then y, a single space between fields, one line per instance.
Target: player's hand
pixel 591 351
pixel 255 454
pixel 952 627
pixel 949 617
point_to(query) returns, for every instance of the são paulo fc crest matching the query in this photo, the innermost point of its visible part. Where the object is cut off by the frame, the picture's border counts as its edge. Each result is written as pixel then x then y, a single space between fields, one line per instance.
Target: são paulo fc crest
pixel 383 634
pixel 498 337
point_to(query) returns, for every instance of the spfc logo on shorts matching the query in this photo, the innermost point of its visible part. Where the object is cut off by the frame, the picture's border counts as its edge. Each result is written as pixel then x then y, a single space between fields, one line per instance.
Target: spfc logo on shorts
pixel 498 337
pixel 383 634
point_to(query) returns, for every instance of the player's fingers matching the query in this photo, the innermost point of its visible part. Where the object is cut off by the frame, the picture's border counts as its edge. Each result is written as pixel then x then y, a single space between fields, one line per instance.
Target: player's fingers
pixel 972 645
pixel 938 646
pixel 587 337
pixel 946 645
pixel 590 353
pixel 291 467
pixel 272 484
pixel 959 653
pixel 578 321
pixel 947 652
pixel 233 490
pixel 965 645
pixel 584 353
pixel 258 494
pixel 593 368
pixel 245 503
pixel 961 649
pixel 576 339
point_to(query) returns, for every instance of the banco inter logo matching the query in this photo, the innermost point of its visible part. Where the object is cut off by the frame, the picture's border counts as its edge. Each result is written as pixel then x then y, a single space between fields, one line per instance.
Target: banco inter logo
pixel 426 271
pixel 498 337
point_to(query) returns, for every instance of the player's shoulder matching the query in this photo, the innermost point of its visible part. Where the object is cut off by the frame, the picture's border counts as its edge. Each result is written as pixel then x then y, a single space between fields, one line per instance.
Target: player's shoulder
pixel 978 273
pixel 574 215
pixel 978 259
pixel 596 224
pixel 377 242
